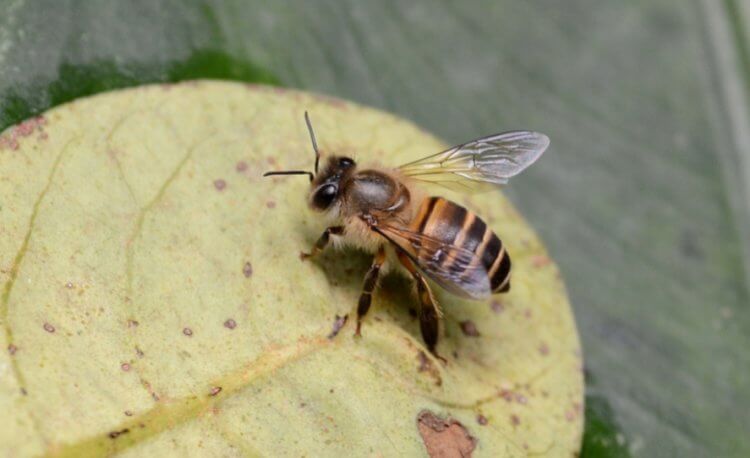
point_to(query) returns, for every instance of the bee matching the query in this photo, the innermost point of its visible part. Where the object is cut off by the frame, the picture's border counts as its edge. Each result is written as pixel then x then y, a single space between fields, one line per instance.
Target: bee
pixel 383 211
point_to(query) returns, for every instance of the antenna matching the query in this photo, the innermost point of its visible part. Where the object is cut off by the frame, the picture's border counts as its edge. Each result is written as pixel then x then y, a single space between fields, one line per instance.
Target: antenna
pixel 317 156
pixel 314 143
pixel 290 172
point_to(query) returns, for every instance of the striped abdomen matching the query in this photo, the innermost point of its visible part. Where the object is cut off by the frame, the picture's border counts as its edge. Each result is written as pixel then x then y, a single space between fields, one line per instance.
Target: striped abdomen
pixel 452 224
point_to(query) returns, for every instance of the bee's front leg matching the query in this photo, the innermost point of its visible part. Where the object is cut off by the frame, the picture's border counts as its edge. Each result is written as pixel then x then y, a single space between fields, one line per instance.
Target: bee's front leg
pixel 322 241
pixel 371 279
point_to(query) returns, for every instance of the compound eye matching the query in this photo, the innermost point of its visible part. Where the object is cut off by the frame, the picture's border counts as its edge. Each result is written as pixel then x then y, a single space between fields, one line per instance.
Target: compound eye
pixel 324 196
pixel 346 162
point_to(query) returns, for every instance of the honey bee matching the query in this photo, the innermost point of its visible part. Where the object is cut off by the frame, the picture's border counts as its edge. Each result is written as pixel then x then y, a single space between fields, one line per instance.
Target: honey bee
pixel 382 211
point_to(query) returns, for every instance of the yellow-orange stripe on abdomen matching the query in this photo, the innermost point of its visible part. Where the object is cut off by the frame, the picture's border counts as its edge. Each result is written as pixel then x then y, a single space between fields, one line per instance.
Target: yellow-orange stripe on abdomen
pixel 453 225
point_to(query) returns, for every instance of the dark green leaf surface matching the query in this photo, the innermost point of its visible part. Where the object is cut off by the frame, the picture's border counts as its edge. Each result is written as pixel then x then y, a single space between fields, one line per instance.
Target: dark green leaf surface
pixel 642 198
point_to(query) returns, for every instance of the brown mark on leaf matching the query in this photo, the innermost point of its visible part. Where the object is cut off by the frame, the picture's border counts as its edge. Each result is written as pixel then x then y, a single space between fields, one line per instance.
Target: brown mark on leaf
pixel 241 166
pixel 444 438
pixel 481 419
pixel 497 306
pixel 188 332
pixel 469 328
pixel 12 349
pixel 338 323
pixel 128 413
pixel 125 367
pixel 514 420
pixel 247 269
pixel 214 391
pixel 139 352
pixel 133 323
pixel 116 434
pixel 49 328
pixel 220 184
pixel 271 204
pixel 540 261
pixel 230 324
pixel 425 365
pixel 544 349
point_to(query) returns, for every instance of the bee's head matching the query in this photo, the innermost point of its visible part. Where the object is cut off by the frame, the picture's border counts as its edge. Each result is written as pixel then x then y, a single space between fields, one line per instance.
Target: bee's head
pixel 325 185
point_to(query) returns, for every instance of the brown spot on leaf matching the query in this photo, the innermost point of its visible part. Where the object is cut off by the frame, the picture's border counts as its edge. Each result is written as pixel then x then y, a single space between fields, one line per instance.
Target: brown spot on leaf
pixel 497 306
pixel 469 328
pixel 241 166
pixel 247 270
pixel 214 391
pixel 139 352
pixel 271 204
pixel 220 184
pixel 338 323
pixel 128 413
pixel 125 366
pixel 540 261
pixel 188 332
pixel 230 324
pixel 481 419
pixel 116 434
pixel 49 328
pixel 12 349
pixel 514 420
pixel 444 438
pixel 133 324
pixel 425 365
pixel 544 349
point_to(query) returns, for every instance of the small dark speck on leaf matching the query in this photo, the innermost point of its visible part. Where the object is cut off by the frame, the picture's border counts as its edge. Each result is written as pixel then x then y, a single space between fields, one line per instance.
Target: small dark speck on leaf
pixel 241 166
pixel 214 391
pixel 338 323
pixel 128 413
pixel 469 328
pixel 139 352
pixel 133 324
pixel 12 349
pixel 230 324
pixel 49 328
pixel 497 306
pixel 271 204
pixel 115 434
pixel 220 184
pixel 247 270
pixel 481 419
pixel 514 420
pixel 125 366
pixel 187 331
pixel 331 391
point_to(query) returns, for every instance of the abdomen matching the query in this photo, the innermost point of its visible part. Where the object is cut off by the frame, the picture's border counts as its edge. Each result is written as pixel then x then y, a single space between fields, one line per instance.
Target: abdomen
pixel 452 224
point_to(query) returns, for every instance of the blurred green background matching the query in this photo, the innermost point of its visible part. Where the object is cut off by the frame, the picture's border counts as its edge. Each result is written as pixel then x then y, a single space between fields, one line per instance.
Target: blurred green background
pixel 642 199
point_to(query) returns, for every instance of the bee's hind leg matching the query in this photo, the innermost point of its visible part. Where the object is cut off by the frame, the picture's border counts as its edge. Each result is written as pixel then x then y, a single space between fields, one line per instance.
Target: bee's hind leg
pixel 371 279
pixel 429 312
pixel 322 242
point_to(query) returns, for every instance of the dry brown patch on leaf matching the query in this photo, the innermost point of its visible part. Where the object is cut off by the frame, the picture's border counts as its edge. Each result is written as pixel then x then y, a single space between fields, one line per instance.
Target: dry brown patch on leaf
pixel 444 438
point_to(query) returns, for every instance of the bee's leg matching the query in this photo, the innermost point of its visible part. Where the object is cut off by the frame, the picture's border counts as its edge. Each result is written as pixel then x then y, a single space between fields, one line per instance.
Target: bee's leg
pixel 371 279
pixel 322 241
pixel 429 312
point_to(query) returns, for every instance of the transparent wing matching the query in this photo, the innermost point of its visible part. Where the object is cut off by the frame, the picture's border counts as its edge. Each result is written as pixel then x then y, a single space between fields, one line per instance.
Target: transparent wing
pixel 456 269
pixel 491 159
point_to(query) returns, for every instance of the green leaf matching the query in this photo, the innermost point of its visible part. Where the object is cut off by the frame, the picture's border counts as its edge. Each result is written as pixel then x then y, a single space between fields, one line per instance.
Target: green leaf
pixel 642 198
pixel 154 299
